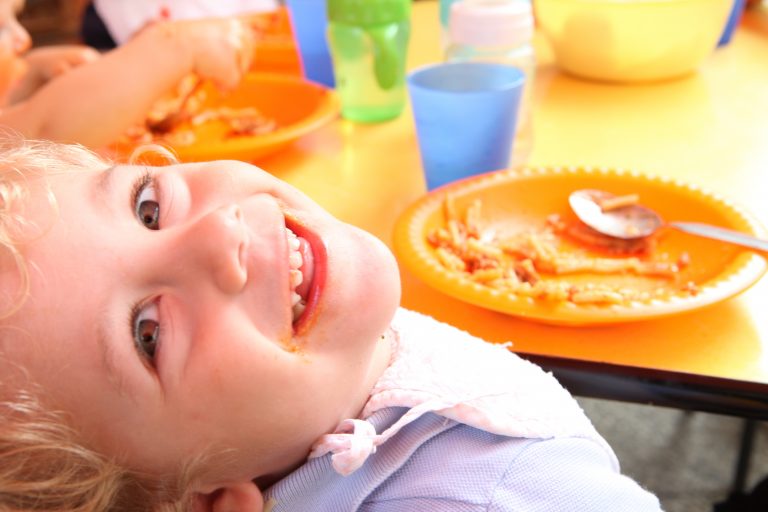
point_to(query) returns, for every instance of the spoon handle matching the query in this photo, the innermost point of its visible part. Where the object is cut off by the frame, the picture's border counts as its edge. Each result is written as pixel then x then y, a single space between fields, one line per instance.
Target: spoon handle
pixel 725 235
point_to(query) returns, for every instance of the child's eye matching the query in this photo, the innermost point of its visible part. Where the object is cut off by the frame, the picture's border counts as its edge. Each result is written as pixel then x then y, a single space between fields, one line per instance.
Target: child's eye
pixel 145 324
pixel 146 202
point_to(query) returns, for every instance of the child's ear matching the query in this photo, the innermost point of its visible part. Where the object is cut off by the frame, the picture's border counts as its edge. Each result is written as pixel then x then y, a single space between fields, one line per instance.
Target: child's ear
pixel 242 497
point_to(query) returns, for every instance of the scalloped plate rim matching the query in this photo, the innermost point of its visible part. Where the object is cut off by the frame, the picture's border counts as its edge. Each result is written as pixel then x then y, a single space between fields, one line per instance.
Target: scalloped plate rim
pixel 410 245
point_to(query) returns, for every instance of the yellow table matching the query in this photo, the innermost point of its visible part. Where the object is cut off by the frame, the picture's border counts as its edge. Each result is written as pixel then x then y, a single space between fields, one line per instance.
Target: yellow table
pixel 710 128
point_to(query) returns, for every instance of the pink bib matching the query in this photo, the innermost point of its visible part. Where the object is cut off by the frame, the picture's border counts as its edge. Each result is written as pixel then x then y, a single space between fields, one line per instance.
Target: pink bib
pixel 438 368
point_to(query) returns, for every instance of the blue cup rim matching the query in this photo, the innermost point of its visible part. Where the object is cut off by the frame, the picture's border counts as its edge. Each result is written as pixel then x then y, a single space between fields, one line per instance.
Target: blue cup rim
pixel 415 76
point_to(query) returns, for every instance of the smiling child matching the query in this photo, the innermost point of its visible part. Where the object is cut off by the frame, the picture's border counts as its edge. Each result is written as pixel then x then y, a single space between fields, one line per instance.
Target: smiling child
pixel 190 335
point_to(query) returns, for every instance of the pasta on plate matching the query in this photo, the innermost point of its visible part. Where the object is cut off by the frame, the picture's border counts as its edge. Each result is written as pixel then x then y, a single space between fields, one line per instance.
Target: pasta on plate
pixel 537 262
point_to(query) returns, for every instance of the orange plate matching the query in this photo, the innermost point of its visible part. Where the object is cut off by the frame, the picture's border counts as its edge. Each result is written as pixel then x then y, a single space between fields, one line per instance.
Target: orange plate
pixel 276 51
pixel 298 106
pixel 516 200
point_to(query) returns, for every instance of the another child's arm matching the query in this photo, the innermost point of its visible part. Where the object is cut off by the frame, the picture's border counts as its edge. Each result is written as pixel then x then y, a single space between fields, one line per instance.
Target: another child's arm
pixel 95 103
pixel 46 63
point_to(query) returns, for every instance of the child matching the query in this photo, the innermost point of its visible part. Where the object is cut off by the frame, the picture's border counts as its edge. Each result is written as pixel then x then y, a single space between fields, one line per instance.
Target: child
pixel 184 336
pixel 122 19
pixel 94 103
pixel 38 66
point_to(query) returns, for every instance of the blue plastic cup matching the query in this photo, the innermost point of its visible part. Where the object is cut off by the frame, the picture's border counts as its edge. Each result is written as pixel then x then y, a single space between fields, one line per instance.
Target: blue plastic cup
pixel 466 116
pixel 309 21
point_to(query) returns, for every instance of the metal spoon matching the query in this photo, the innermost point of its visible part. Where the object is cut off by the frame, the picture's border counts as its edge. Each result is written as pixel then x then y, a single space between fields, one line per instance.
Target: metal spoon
pixel 635 221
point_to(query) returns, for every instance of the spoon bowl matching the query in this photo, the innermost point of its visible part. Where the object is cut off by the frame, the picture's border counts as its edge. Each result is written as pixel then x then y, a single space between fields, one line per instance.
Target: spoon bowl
pixel 628 220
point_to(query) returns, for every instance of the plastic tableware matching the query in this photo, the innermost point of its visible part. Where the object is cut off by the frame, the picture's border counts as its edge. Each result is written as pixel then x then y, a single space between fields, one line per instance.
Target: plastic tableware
pixel 733 22
pixel 466 117
pixel 296 105
pixel 634 221
pixel 517 200
pixel 632 41
pixel 369 44
pixel 310 22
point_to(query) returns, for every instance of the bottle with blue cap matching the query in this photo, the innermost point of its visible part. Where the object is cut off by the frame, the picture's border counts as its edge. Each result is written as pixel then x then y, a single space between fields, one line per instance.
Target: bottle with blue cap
pixel 368 40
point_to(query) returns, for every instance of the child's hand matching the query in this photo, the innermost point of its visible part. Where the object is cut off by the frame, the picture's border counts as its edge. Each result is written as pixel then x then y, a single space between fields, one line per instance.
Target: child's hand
pixel 221 49
pixel 133 76
pixel 41 65
pixel 48 62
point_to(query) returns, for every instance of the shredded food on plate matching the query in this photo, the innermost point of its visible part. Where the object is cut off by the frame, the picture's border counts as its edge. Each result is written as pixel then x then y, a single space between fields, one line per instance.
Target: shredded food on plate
pixel 535 263
pixel 173 119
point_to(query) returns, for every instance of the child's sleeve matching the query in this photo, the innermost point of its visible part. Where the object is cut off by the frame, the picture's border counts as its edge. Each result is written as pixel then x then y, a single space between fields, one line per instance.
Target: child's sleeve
pixel 568 475
pixel 467 470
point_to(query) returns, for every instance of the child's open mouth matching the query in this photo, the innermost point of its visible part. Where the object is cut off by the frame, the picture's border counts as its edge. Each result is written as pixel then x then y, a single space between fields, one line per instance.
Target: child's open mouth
pixel 306 262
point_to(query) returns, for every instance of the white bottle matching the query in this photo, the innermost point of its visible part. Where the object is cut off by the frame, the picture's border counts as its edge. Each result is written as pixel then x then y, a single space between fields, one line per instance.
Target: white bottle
pixel 498 31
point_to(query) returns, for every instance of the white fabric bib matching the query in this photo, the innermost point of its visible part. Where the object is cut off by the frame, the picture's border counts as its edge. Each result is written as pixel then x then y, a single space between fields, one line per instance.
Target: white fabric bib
pixel 438 368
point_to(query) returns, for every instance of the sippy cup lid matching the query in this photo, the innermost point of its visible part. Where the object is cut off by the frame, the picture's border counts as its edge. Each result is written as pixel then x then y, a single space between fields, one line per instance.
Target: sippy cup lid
pixel 368 13
pixel 491 22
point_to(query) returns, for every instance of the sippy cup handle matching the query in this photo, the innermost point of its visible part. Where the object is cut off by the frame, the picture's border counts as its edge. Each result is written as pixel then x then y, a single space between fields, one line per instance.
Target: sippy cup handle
pixel 386 58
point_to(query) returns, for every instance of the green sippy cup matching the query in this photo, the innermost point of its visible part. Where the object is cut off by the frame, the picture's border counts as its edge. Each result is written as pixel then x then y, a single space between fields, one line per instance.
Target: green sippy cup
pixel 368 40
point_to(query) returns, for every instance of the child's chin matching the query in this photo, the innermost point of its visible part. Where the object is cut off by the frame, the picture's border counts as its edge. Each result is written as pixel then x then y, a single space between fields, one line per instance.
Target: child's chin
pixel 383 296
pixel 362 290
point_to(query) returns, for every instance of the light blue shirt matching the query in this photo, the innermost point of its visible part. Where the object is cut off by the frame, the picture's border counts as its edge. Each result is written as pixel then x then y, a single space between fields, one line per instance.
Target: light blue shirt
pixel 436 464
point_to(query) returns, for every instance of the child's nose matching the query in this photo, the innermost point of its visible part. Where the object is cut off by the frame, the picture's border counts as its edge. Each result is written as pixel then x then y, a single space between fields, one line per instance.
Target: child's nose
pixel 214 248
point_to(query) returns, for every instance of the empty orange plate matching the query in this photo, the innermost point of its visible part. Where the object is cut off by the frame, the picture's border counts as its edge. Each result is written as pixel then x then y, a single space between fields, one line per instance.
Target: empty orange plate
pixel 296 105
pixel 513 201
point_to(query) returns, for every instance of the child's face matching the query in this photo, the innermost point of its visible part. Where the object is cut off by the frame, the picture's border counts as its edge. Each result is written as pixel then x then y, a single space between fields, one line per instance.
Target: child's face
pixel 160 314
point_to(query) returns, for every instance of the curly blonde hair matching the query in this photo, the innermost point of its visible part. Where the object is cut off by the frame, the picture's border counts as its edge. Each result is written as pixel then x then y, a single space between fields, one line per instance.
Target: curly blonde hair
pixel 44 465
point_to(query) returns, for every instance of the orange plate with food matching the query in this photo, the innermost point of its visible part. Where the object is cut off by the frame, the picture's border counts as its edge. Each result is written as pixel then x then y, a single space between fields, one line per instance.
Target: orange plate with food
pixel 265 113
pixel 515 256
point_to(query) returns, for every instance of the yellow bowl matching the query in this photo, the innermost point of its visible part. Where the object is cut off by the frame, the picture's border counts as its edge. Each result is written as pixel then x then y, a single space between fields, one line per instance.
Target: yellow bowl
pixel 631 40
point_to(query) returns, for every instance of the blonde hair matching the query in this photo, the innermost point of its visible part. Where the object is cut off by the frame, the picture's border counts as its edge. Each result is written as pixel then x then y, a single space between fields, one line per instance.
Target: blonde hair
pixel 44 467
pixel 43 463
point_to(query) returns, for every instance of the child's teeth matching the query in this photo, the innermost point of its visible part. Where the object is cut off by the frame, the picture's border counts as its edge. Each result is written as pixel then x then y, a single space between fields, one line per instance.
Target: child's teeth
pixel 298 309
pixel 293 241
pixel 296 278
pixel 295 260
